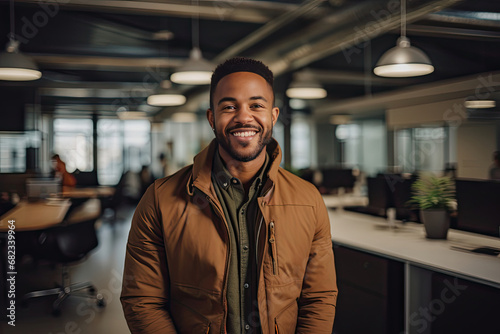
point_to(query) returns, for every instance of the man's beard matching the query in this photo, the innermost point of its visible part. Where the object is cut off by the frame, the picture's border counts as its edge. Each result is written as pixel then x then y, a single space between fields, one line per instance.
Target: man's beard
pixel 263 140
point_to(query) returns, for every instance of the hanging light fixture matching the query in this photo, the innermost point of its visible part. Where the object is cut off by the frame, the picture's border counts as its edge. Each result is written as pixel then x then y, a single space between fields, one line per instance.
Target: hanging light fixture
pixel 403 60
pixel 480 104
pixel 197 70
pixel 14 66
pixel 304 86
pixel 166 100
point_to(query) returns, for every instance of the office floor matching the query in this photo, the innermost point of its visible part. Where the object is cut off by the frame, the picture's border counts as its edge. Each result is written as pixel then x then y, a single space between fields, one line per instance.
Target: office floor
pixel 104 268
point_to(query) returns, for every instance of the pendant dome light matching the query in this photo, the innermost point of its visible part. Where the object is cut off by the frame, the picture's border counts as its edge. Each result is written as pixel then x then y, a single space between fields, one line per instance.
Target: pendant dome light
pixel 197 70
pixel 166 100
pixel 305 86
pixel 14 66
pixel 403 60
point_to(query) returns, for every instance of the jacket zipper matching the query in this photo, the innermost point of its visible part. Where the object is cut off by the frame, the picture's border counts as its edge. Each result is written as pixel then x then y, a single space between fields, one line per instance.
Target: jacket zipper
pixel 257 242
pixel 224 302
pixel 272 242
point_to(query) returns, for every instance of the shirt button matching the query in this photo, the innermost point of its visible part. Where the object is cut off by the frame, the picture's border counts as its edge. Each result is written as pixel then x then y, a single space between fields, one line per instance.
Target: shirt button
pixel 246 285
pixel 245 247
pixel 235 181
pixel 247 326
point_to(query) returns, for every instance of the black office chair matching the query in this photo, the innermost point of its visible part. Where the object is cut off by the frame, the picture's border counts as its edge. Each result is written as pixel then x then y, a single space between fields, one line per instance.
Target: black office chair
pixel 68 244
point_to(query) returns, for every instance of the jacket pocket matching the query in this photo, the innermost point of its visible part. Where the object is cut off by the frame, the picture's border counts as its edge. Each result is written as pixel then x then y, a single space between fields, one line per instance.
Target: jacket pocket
pixel 187 320
pixel 286 320
pixel 273 247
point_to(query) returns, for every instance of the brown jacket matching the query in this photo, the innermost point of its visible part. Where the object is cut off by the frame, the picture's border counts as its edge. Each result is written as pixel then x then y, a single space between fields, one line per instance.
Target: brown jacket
pixel 177 255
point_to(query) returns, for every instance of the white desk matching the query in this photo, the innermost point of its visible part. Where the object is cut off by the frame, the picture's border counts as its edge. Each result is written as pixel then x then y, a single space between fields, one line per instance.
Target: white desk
pixel 407 243
pixel 420 256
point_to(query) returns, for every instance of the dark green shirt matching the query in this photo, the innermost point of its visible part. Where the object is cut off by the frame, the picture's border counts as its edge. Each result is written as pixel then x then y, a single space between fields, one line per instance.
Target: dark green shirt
pixel 241 213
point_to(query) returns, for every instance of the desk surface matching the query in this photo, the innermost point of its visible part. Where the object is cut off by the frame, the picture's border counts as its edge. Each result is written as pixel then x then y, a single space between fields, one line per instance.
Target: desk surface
pixel 408 243
pixel 30 216
pixel 88 192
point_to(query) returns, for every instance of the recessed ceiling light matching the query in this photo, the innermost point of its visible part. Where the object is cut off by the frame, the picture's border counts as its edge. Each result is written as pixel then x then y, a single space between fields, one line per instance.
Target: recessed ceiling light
pixel 480 104
pixel 166 100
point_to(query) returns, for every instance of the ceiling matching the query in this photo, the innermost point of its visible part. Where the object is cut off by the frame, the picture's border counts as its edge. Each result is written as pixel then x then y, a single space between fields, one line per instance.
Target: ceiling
pixel 103 56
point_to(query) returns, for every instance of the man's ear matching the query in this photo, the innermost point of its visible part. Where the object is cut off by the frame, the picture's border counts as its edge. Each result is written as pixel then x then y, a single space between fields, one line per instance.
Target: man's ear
pixel 210 118
pixel 275 112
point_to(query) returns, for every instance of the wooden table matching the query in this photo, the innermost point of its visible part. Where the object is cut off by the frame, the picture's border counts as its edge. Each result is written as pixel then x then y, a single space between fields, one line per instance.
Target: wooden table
pixel 88 192
pixel 31 216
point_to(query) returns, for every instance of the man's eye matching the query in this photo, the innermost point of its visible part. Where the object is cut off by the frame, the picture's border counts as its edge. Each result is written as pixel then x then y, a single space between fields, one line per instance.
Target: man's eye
pixel 257 105
pixel 229 108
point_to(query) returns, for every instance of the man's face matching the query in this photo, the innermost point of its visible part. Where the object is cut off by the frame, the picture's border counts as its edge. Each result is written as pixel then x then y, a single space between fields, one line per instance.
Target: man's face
pixel 243 115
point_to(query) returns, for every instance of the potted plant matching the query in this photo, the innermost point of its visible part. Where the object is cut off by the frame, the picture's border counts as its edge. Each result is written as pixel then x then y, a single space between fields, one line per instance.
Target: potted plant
pixel 434 196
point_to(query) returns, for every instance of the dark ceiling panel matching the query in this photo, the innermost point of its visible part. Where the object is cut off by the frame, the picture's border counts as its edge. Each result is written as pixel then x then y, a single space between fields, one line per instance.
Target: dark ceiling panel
pixel 458 41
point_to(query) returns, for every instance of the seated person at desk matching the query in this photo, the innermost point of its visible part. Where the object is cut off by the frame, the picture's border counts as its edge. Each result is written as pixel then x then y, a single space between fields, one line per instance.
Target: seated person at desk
pixel 495 168
pixel 60 172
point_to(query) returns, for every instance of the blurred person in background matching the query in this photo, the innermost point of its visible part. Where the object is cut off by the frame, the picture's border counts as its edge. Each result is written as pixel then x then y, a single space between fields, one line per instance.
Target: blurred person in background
pixel 495 168
pixel 59 170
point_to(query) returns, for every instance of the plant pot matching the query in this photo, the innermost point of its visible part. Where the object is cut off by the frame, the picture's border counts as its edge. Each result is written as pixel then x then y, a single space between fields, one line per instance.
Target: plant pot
pixel 436 223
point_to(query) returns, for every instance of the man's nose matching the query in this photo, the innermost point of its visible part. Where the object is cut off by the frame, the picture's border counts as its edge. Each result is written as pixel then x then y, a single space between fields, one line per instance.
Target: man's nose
pixel 244 115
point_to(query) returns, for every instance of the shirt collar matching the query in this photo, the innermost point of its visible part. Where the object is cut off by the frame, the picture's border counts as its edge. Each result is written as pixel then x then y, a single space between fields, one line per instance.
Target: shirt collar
pixel 224 178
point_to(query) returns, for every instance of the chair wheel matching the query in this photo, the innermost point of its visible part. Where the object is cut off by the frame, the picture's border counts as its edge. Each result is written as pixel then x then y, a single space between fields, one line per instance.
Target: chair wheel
pixel 100 302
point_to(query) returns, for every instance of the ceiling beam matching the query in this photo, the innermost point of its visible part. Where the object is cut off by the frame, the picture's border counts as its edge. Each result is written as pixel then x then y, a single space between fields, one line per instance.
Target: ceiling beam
pixel 484 85
pixel 364 26
pixel 269 28
pixel 241 11
pixel 457 33
pixel 105 63
pixel 356 78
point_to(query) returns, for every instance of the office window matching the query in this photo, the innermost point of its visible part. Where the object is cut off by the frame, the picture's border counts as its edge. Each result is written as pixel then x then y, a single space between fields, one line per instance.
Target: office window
pixel 110 151
pixel 421 149
pixel 279 135
pixel 301 141
pixel 73 142
pixel 363 145
pixel 12 153
pixel 136 144
pixel 349 136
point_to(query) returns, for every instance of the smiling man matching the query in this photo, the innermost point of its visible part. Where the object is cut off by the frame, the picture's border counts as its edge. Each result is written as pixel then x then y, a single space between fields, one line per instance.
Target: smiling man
pixel 233 243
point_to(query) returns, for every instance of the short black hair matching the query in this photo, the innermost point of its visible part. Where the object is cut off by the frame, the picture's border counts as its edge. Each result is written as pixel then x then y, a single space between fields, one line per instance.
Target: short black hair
pixel 239 64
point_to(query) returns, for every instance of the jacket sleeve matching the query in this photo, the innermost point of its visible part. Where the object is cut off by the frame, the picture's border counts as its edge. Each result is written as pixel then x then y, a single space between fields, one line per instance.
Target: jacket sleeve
pixel 319 289
pixel 145 287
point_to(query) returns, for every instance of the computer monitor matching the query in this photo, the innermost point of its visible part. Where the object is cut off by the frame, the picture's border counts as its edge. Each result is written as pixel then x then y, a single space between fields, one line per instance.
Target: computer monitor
pixel 378 195
pixel 478 204
pixel 334 178
pixel 37 188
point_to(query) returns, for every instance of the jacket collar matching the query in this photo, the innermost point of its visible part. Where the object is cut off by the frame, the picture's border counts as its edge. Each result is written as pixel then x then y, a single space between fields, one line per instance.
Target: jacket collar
pixel 202 166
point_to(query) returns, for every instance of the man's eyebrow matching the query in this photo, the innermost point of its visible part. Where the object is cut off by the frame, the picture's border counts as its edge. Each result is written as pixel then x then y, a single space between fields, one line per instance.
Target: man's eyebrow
pixel 258 98
pixel 232 99
pixel 224 99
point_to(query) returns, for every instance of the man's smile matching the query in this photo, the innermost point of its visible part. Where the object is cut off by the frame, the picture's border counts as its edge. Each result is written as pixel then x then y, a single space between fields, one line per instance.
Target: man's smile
pixel 244 133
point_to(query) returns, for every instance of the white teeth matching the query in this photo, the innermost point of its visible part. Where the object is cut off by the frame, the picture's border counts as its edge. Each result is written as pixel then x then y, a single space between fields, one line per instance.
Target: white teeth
pixel 244 134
